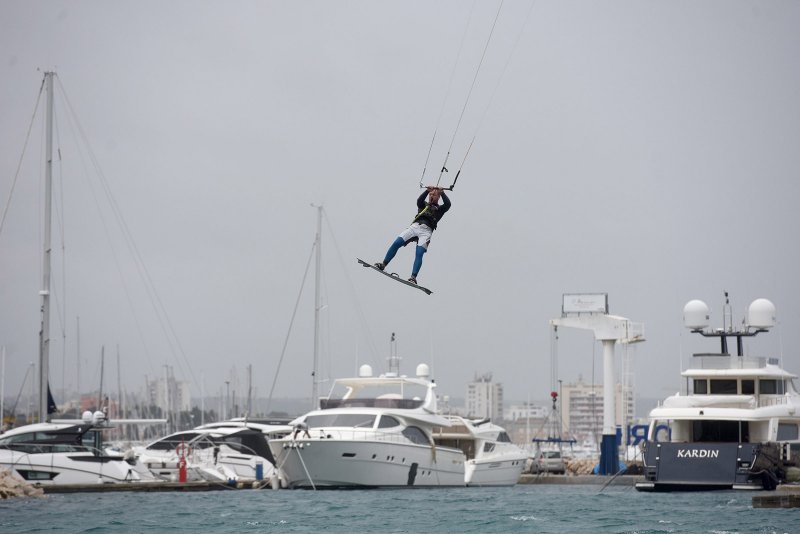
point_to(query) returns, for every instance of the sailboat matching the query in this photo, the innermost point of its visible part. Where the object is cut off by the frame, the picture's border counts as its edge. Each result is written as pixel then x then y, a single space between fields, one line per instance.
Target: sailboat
pixel 67 451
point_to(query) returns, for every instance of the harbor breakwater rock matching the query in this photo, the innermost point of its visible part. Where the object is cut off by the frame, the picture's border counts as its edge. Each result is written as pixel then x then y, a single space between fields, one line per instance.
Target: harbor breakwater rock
pixel 12 485
pixel 585 466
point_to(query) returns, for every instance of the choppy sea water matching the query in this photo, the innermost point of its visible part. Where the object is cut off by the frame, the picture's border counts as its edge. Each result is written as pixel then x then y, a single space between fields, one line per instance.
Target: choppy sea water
pixel 523 508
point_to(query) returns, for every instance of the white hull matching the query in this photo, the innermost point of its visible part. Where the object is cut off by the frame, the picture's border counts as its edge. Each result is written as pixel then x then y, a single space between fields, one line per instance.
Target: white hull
pixel 345 463
pixel 492 459
pixel 202 466
pixel 490 472
pixel 67 468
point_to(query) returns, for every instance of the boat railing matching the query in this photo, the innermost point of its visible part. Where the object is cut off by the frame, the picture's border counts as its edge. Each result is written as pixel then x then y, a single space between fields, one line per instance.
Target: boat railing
pixel 723 401
pixel 709 360
pixel 772 400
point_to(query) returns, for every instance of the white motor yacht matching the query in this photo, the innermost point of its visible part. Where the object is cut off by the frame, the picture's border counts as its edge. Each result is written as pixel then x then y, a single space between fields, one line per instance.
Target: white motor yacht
pixel 62 453
pixel 738 423
pixel 492 459
pixel 270 428
pixel 211 454
pixel 372 431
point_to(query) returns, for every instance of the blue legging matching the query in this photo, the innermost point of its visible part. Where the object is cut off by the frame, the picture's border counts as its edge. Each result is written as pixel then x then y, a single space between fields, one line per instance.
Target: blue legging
pixel 396 246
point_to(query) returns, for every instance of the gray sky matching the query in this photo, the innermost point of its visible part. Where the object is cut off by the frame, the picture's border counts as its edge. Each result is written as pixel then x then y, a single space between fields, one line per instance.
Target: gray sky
pixel 644 149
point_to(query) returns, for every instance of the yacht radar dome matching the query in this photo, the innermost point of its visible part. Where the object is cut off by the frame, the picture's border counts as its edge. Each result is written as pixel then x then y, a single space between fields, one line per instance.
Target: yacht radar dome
pixel 423 371
pixel 696 314
pixel 365 371
pixel 761 314
pixel 87 417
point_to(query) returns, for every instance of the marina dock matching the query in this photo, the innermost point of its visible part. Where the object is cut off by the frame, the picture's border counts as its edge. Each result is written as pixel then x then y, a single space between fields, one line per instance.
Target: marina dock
pixel 786 496
pixel 157 486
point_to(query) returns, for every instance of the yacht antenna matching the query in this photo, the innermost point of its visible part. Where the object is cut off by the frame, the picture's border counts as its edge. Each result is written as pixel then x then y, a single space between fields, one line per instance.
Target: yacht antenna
pixel 394 359
pixel 727 315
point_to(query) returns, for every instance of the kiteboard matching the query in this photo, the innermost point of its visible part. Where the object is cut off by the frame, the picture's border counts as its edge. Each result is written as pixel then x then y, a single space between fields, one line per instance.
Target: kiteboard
pixel 395 276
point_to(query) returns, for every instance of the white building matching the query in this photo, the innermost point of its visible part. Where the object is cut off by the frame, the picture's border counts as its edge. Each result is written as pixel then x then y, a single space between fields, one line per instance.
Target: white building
pixel 524 411
pixel 484 398
pixel 582 409
pixel 168 394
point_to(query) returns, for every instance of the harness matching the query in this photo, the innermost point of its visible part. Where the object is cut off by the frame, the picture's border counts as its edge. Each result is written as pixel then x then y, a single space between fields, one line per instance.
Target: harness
pixel 428 216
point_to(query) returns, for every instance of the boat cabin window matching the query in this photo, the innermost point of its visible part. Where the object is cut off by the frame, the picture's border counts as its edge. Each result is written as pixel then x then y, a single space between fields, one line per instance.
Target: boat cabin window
pixel 341 419
pixel 770 387
pixel 721 431
pixel 415 435
pixel 723 387
pixel 700 386
pixel 748 387
pixel 488 446
pixel 787 431
pixel 387 421
pixel 503 438
pixel 19 438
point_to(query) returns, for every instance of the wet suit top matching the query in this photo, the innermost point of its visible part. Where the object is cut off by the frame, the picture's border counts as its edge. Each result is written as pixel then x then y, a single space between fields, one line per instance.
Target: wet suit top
pixel 430 214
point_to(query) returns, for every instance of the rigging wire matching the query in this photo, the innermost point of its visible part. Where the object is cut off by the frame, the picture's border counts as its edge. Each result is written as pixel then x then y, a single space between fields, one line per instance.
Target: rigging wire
pixel 155 299
pixel 291 323
pixel 114 254
pixel 351 286
pixel 21 157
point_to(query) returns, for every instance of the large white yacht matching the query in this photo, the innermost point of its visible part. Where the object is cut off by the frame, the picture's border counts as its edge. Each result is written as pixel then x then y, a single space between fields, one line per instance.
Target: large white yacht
pixel 736 426
pixel 371 431
pixel 63 453
pixel 492 459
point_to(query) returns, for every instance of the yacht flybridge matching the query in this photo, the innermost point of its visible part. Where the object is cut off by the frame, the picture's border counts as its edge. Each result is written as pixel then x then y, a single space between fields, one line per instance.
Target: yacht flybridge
pixel 738 424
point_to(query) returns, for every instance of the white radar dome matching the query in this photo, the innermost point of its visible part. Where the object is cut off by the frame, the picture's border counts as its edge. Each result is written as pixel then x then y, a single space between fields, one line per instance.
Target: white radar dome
pixel 761 314
pixel 696 314
pixel 98 417
pixel 87 417
pixel 423 371
pixel 365 371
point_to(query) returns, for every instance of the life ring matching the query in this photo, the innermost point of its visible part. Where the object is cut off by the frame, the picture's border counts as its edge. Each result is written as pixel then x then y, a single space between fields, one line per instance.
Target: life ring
pixel 183 449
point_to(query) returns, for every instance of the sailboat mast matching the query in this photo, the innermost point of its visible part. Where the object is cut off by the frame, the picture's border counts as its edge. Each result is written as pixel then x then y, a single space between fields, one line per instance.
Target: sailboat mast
pixel 44 335
pixel 102 372
pixel 249 390
pixel 318 245
pixel 78 370
pixel 120 413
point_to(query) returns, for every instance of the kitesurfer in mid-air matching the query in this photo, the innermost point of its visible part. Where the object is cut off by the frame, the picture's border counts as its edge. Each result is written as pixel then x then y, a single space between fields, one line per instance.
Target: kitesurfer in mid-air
pixel 421 228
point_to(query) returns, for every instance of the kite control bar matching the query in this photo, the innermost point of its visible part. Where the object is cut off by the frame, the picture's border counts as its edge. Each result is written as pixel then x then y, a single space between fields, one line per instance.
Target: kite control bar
pixel 444 170
pixel 422 186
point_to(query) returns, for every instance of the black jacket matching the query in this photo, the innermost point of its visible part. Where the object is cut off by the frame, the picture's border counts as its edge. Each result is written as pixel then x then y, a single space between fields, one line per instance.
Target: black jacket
pixel 431 214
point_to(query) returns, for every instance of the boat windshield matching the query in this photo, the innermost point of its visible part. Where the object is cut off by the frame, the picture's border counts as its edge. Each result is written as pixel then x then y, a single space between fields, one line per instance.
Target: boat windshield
pixel 389 395
pixel 45 442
